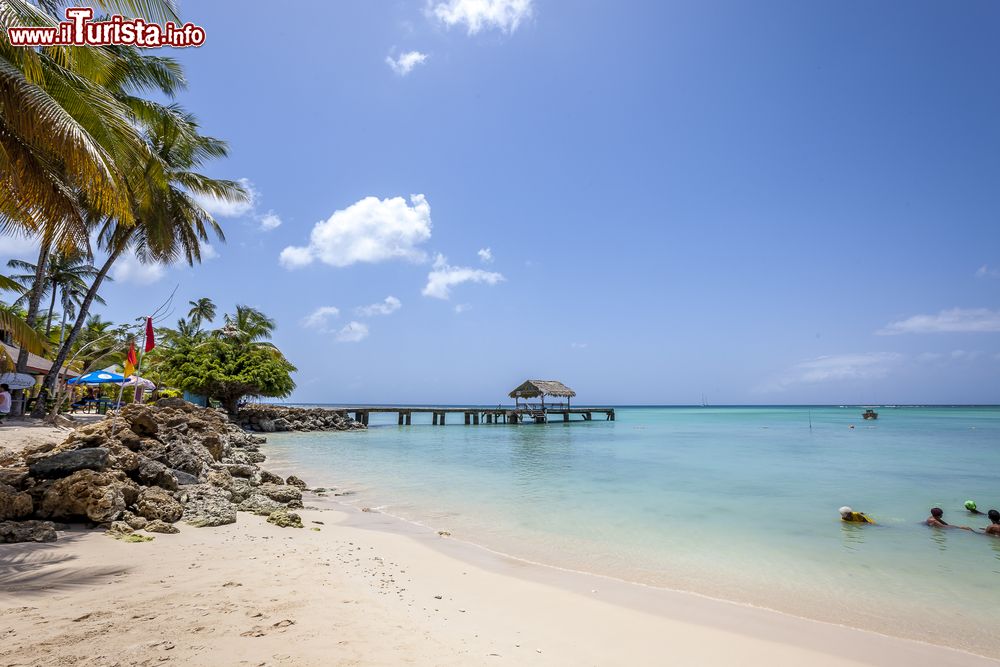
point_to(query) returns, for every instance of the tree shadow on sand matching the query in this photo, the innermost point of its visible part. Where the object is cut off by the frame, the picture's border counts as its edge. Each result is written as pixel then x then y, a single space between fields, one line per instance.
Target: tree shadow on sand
pixel 33 567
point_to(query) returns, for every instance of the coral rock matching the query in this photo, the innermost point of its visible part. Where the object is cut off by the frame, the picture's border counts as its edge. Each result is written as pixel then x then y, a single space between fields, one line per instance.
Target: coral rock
pixel 285 519
pixel 14 504
pixel 156 503
pixel 97 496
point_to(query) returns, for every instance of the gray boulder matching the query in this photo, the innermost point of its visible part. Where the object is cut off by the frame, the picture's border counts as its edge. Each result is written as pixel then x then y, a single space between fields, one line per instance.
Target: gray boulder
pixel 270 478
pixel 154 473
pixel 258 503
pixel 157 526
pixel 283 493
pixel 207 505
pixel 27 531
pixel 13 476
pixel 184 478
pixel 64 464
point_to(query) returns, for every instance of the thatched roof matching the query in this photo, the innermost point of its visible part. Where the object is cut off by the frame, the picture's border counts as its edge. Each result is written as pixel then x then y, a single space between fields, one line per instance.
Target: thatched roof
pixel 536 388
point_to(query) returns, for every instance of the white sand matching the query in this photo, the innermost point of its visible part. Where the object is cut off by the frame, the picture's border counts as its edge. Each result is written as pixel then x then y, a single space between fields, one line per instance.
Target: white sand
pixel 255 594
pixel 367 589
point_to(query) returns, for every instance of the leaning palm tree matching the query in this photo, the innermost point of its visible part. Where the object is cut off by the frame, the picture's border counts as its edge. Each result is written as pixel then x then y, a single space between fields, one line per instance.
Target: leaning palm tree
pixel 68 136
pixel 202 310
pixel 68 273
pixel 167 225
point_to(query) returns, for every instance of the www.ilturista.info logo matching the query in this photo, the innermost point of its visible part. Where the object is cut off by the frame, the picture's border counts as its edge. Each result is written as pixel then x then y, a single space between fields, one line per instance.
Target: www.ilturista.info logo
pixel 79 30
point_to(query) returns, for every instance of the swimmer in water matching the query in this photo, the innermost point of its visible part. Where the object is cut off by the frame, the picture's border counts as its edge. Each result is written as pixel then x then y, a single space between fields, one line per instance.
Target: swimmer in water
pixel 936 520
pixel 849 515
pixel 993 528
pixel 971 506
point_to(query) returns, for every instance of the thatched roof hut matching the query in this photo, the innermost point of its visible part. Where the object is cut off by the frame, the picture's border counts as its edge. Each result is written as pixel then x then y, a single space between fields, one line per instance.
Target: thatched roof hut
pixel 542 388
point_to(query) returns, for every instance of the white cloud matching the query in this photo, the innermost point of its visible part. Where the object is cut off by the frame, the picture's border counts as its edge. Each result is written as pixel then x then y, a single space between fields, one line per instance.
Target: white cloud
pixel 443 277
pixel 485 255
pixel 387 307
pixel 462 308
pixel 860 366
pixel 318 318
pixel 578 346
pixel 966 355
pixel 18 246
pixel 956 320
pixel 505 15
pixel 405 63
pixel 371 230
pixel 353 332
pixel 208 252
pixel 128 269
pixel 985 271
pixel 220 208
pixel 269 221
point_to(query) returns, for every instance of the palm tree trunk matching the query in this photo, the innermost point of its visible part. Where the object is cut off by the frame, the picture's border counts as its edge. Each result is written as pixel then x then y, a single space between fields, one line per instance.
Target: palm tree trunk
pixel 34 301
pixel 62 328
pixel 81 318
pixel 52 307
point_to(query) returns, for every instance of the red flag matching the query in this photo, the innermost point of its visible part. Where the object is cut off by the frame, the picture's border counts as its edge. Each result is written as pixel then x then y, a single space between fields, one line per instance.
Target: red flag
pixel 150 342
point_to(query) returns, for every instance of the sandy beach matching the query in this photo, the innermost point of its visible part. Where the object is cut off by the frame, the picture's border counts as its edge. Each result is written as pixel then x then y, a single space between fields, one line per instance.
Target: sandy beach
pixel 361 588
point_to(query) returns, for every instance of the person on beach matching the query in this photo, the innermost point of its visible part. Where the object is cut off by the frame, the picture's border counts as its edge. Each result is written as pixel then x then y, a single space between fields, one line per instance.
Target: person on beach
pixel 849 515
pixel 936 520
pixel 971 506
pixel 4 402
pixel 993 528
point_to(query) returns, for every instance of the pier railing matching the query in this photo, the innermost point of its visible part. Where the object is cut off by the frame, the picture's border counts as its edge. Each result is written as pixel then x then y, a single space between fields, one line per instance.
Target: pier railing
pixel 476 415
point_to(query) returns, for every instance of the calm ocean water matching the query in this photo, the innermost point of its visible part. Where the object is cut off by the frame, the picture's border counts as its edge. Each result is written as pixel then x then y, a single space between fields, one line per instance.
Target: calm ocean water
pixel 736 503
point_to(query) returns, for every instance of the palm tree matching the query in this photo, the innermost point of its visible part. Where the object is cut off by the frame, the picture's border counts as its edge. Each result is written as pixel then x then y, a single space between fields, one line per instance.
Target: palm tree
pixel 168 224
pixel 202 310
pixel 66 137
pixel 248 325
pixel 67 274
pixel 19 334
pixel 68 131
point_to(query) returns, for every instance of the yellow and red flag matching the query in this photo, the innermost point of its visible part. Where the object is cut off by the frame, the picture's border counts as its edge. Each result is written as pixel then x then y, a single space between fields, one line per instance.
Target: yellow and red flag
pixel 130 360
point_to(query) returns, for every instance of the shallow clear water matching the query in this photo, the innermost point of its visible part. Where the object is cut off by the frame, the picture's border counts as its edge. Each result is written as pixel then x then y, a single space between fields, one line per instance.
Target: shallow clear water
pixel 737 503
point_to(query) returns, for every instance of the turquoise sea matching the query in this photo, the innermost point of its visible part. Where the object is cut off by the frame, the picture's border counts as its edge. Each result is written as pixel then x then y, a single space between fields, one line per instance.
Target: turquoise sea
pixel 737 503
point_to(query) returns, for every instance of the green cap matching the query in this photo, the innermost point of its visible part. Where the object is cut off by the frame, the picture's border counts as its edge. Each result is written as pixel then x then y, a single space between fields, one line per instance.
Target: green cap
pixel 969 505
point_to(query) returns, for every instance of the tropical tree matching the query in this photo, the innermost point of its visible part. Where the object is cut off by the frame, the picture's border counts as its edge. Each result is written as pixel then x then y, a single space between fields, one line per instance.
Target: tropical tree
pixel 65 278
pixel 202 310
pixel 230 363
pixel 68 131
pixel 20 334
pixel 168 225
pixel 248 325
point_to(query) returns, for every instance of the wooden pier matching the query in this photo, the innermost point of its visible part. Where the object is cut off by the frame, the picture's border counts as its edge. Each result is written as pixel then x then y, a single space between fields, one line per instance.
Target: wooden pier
pixel 475 416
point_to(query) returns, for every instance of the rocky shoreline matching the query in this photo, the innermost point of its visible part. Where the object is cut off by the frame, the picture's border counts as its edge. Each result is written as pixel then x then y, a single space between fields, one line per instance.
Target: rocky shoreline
pixel 148 468
pixel 277 418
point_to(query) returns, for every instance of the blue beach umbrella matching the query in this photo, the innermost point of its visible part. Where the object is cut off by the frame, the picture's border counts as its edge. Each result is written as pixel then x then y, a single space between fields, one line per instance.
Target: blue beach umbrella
pixel 98 377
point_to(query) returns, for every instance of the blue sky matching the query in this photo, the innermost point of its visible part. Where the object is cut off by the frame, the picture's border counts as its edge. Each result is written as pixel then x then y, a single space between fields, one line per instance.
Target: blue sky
pixel 770 202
